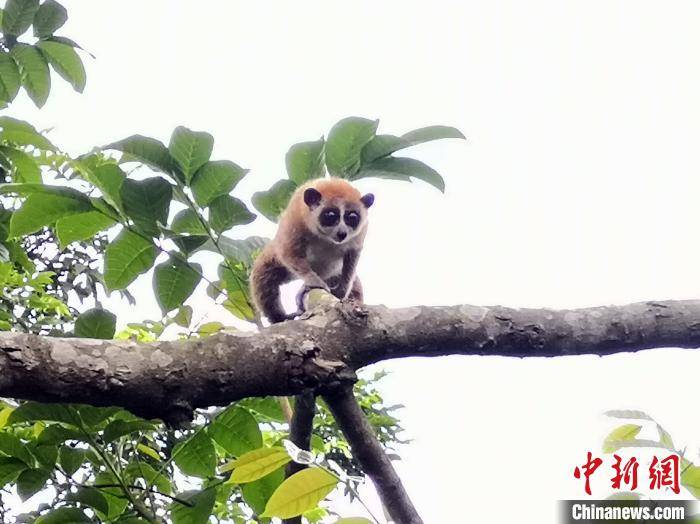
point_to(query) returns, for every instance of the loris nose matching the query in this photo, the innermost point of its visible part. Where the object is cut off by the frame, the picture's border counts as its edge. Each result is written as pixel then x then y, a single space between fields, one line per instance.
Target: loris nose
pixel 341 235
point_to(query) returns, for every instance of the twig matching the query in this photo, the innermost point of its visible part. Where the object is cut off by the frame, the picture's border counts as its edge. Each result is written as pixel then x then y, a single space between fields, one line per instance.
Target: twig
pixel 369 453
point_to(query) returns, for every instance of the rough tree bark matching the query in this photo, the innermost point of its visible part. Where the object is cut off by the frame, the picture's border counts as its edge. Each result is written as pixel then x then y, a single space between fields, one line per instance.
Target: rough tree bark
pixel 321 352
pixel 169 379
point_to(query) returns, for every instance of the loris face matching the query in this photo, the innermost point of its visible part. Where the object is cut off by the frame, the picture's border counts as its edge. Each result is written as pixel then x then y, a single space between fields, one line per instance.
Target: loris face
pixel 336 220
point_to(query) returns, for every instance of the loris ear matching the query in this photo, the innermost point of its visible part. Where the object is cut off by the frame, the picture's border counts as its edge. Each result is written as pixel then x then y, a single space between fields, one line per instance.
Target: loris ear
pixel 368 199
pixel 312 197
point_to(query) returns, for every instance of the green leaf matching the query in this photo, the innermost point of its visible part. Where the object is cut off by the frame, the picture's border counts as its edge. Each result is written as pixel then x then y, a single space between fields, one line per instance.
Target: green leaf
pixel 142 470
pixel 236 430
pixel 31 481
pixel 65 61
pixel 46 455
pixel 381 146
pixel 196 456
pixel 210 328
pixel 300 492
pixel 305 161
pixel 272 202
pixel 82 226
pixel 265 407
pixel 91 497
pixel 183 317
pixel 113 495
pixel 34 72
pixel 64 515
pixel 401 169
pixel 43 209
pixel 50 17
pixel 108 178
pixel 199 510
pixel 93 416
pixel 257 493
pixel 36 411
pixel 345 142
pixel 190 149
pixel 31 189
pixel 12 446
pixel 690 479
pixel 126 257
pixel 241 250
pixel 147 202
pixel 427 134
pixel 174 282
pixel 71 458
pixel 18 16
pixel 226 211
pixel 25 169
pixel 315 515
pixel 628 414
pixel 238 304
pixel 258 463
pixel 119 428
pixel 96 323
pixel 233 275
pixel 9 77
pixel 190 244
pixel 626 432
pixel 10 468
pixel 146 150
pixel 215 179
pixel 5 413
pixel 664 437
pixel 23 133
pixel 317 444
pixel 57 434
pixel 187 221
pixel 67 41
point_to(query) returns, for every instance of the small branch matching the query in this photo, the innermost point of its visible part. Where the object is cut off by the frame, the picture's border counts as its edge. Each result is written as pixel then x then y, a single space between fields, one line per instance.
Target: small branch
pixel 286 408
pixel 369 453
pixel 302 425
pixel 300 430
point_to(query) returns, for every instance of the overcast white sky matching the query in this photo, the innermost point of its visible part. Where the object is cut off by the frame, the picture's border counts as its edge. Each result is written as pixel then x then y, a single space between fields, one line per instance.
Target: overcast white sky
pixel 578 186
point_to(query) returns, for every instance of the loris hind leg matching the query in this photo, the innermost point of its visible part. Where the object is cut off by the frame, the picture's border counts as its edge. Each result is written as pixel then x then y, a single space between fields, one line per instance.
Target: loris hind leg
pixel 265 281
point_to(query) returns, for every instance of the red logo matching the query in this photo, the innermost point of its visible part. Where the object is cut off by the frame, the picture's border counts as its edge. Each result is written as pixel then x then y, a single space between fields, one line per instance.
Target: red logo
pixel 663 473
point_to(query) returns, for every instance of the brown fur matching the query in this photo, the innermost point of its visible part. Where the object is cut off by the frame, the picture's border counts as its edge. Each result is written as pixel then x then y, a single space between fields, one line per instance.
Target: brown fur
pixel 300 250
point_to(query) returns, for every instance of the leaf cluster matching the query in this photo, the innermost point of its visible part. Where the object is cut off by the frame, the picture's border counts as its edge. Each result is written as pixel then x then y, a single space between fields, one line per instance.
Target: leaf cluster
pixel 25 63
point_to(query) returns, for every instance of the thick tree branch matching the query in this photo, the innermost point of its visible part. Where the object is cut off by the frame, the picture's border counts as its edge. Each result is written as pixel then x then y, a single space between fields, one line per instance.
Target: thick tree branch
pixel 370 454
pixel 169 379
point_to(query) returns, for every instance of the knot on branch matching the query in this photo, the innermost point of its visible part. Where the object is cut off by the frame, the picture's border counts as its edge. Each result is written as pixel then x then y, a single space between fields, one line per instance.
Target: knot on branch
pixel 520 336
pixel 354 313
pixel 307 370
pixel 320 302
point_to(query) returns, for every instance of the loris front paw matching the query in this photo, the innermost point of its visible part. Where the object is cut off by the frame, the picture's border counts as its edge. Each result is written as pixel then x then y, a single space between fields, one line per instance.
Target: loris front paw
pixel 301 297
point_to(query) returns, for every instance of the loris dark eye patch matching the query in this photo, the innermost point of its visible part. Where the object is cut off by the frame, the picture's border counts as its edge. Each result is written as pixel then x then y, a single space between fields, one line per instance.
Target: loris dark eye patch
pixel 329 217
pixel 352 219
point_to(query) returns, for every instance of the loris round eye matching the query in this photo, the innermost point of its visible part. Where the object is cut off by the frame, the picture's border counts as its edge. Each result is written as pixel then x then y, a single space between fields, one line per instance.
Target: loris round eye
pixel 352 219
pixel 329 217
